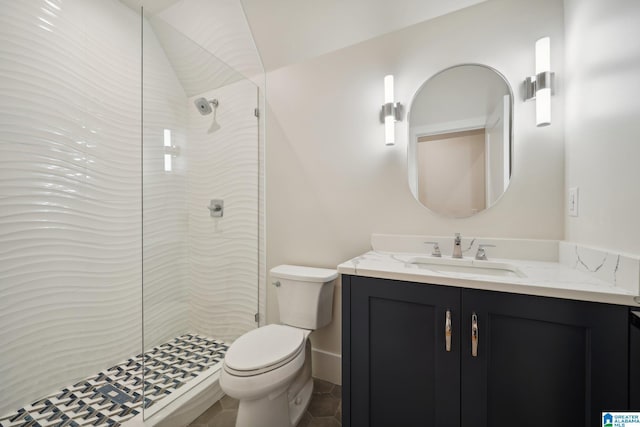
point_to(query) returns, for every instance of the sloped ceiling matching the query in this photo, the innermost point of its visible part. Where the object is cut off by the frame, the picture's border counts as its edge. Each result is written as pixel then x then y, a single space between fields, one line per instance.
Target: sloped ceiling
pixel 151 7
pixel 290 31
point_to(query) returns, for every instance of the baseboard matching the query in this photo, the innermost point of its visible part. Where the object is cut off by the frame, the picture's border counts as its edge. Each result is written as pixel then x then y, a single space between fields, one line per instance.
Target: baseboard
pixel 326 366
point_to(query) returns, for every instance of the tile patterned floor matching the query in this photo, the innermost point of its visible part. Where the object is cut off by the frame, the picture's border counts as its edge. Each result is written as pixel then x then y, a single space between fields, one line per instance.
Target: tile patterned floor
pixel 114 396
pixel 325 409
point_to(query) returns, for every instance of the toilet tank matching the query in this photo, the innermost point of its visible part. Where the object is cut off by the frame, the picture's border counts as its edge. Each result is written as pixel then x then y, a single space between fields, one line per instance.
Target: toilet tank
pixel 305 295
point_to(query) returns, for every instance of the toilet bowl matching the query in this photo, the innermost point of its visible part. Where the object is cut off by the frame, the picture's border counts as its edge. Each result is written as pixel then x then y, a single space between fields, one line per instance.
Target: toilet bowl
pixel 268 369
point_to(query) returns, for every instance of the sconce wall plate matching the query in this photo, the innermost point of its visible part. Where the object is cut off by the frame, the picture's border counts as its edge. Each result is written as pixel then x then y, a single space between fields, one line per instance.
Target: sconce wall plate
pixel 172 150
pixel 544 80
pixel 391 109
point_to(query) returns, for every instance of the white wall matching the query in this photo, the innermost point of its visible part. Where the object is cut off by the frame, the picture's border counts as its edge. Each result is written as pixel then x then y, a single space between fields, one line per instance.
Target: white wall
pixel 332 181
pixel 603 122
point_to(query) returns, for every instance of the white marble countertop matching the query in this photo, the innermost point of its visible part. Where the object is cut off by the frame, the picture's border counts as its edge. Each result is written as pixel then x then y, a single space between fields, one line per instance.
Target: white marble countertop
pixel 542 278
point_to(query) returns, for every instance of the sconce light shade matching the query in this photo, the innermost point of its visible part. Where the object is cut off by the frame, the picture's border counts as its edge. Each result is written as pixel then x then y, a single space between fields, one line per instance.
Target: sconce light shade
pixel 389 120
pixel 540 86
pixel 388 88
pixel 543 55
pixel 389 130
pixel 391 112
pixel 543 82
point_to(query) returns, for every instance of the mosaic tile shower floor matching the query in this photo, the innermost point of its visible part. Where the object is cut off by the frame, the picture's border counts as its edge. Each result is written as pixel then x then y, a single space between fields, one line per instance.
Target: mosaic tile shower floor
pixel 115 395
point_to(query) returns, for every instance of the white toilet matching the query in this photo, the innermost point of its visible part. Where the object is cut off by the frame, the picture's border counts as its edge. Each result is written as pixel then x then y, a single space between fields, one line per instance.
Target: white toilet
pixel 268 369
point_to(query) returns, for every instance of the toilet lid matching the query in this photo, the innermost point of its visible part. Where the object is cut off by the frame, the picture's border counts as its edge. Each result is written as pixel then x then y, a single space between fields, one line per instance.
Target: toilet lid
pixel 264 347
pixel 303 274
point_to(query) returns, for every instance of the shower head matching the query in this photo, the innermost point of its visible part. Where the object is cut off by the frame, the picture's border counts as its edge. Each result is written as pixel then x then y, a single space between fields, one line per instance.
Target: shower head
pixel 202 104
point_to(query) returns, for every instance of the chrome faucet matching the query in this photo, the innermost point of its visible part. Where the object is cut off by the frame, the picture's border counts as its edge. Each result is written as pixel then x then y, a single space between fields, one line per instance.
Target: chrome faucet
pixel 457 249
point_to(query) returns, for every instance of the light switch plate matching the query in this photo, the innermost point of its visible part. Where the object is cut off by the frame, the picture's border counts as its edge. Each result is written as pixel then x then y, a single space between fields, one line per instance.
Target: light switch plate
pixel 573 201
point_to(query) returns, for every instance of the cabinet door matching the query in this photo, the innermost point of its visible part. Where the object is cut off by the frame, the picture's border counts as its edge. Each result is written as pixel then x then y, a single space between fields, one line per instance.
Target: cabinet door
pixel 634 360
pixel 542 361
pixel 399 372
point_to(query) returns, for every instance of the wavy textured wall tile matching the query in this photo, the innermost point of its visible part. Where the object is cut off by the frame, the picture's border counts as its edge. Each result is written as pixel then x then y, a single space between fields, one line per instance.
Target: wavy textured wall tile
pixel 224 287
pixel 69 193
pixel 223 252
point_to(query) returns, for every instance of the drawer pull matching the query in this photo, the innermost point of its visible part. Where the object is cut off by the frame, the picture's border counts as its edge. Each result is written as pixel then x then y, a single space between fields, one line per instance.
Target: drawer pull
pixel 474 335
pixel 447 330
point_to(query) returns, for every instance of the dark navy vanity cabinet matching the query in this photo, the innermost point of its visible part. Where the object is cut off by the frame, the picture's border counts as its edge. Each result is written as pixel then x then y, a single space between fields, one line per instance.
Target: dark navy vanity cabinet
pixel 538 361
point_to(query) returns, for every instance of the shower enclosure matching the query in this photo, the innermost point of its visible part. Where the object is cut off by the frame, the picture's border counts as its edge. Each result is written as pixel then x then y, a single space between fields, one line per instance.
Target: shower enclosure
pixel 131 224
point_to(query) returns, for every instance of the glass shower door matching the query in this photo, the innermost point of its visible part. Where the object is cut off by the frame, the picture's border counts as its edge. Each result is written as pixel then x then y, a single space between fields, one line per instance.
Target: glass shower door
pixel 200 211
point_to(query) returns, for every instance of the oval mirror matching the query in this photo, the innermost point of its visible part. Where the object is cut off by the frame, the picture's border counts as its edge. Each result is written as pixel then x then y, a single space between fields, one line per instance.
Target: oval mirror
pixel 460 140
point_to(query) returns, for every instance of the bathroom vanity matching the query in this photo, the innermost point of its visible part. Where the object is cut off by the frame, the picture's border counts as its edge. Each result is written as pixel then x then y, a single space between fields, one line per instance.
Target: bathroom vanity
pixel 430 347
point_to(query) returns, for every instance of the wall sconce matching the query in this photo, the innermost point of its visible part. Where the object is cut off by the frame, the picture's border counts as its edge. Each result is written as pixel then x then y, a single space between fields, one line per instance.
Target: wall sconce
pixel 540 86
pixel 390 113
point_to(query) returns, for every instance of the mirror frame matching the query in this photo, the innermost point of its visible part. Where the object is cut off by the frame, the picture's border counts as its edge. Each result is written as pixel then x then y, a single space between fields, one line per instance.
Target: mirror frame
pixel 411 163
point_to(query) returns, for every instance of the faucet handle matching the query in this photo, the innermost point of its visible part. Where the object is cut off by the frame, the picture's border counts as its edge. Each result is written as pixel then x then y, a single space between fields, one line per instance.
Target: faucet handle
pixel 436 249
pixel 481 254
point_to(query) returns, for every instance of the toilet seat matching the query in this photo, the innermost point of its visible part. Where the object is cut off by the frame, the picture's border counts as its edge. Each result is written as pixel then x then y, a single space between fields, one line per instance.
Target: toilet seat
pixel 264 349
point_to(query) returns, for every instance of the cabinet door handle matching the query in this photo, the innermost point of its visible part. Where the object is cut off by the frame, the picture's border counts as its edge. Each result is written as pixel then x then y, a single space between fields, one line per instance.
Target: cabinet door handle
pixel 474 335
pixel 447 330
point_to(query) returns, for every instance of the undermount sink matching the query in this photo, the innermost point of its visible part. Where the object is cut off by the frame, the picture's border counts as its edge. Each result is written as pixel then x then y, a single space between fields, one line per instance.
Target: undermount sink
pixel 467 266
